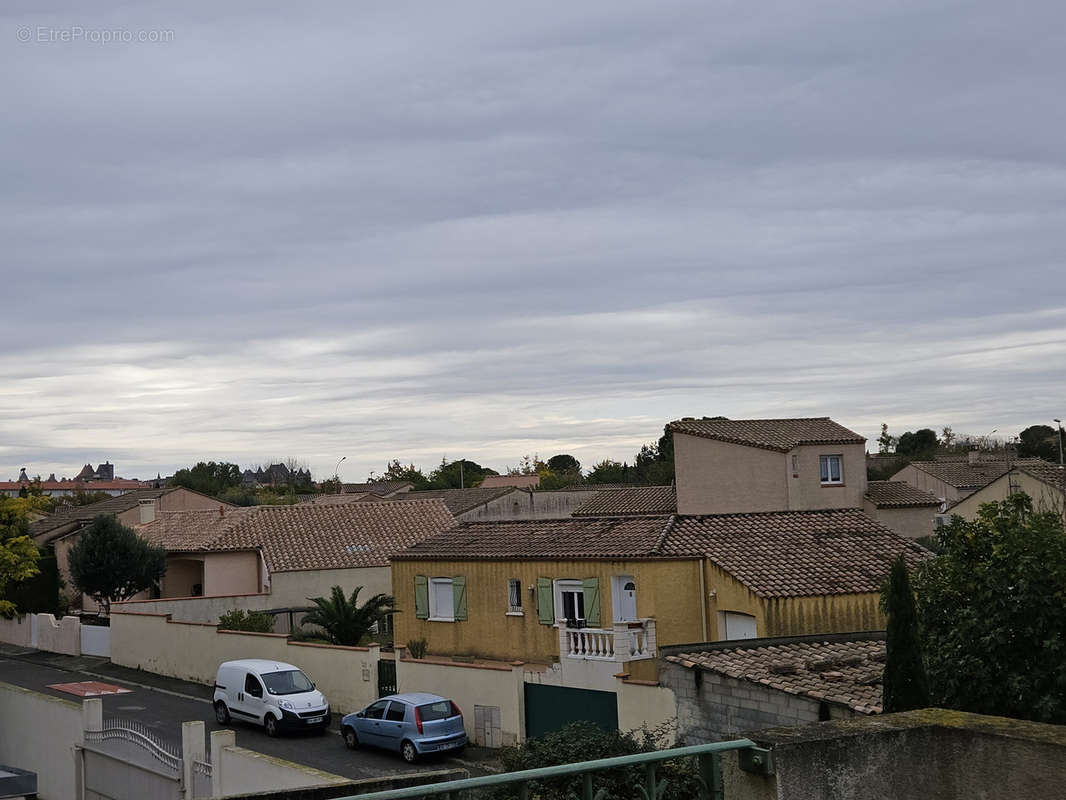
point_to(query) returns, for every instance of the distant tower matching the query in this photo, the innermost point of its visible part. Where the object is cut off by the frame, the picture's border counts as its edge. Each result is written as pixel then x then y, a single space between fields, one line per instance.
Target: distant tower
pixel 23 477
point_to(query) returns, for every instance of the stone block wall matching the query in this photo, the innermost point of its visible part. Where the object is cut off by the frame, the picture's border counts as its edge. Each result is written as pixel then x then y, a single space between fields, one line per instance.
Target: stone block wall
pixel 712 707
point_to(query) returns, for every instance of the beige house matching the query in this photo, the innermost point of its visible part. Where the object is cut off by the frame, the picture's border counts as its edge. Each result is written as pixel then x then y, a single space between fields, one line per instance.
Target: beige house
pixel 1043 482
pixel 908 511
pixel 953 478
pixel 738 466
pixel 513 481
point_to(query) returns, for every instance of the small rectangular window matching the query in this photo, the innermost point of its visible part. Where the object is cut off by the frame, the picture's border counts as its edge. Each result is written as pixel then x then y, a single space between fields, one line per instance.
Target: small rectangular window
pixel 441 599
pixel 795 466
pixel 831 469
pixel 396 712
pixel 514 596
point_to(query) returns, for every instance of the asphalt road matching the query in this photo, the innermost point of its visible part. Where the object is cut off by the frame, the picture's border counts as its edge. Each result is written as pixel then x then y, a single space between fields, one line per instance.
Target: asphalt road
pixel 163 704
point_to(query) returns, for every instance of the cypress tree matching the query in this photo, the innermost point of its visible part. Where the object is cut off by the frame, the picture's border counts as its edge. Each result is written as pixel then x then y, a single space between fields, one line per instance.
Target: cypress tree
pixel 905 685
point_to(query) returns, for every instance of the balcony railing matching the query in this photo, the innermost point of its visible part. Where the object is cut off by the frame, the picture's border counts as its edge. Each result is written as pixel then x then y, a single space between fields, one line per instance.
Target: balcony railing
pixel 624 641
pixel 541 782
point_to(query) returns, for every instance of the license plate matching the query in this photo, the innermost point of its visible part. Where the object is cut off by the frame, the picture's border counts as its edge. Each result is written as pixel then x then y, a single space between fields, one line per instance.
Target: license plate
pixel 314 720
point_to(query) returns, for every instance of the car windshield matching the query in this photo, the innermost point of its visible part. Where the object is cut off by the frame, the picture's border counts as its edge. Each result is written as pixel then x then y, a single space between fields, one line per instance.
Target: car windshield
pixel 289 682
pixel 442 709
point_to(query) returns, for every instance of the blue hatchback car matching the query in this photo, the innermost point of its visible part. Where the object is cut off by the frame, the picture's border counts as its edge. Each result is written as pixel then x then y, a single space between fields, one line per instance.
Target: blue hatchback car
pixel 412 724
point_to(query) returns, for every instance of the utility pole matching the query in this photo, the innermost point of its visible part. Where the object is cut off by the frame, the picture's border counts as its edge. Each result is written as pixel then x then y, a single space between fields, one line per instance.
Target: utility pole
pixel 1058 422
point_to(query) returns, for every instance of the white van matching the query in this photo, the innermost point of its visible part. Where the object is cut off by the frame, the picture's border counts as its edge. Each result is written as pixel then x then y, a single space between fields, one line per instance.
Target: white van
pixel 275 695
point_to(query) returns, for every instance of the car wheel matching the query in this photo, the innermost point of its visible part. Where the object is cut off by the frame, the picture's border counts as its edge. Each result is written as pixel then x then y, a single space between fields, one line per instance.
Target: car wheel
pixel 351 741
pixel 408 751
pixel 222 713
pixel 271 725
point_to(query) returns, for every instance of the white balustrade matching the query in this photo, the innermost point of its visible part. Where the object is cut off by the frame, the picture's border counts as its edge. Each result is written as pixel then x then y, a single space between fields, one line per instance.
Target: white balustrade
pixel 625 641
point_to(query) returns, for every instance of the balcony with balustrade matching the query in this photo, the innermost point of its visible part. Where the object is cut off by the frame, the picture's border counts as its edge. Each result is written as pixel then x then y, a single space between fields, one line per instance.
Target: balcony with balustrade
pixel 623 641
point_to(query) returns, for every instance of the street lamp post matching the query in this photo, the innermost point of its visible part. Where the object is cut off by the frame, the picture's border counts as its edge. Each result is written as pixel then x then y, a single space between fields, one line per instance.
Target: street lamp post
pixel 336 469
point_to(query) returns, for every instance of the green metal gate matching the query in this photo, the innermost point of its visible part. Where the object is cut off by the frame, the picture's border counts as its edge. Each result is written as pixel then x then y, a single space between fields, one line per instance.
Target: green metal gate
pixel 386 677
pixel 549 708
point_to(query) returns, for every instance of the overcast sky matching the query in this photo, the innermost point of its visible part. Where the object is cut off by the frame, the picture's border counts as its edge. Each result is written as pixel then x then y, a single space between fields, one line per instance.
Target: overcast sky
pixel 481 229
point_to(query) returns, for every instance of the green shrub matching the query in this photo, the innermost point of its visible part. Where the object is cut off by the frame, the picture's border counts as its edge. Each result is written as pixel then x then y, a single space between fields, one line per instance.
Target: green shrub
pixel 585 741
pixel 417 647
pixel 249 621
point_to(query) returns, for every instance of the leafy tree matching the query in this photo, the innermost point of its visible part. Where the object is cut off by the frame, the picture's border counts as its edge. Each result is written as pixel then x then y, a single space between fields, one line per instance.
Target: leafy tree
pixel 398 472
pixel 992 607
pixel 564 463
pixel 343 619
pixel 905 684
pixel 18 553
pixel 921 444
pixel 457 474
pixel 947 438
pixel 608 471
pixel 251 621
pixel 80 497
pixel 1039 441
pixel 527 465
pixel 208 477
pixel 886 442
pixel 111 562
pixel 584 741
pixel 654 464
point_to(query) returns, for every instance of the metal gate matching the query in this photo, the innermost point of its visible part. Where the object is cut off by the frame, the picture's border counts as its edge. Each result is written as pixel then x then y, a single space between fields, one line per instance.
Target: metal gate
pixel 549 708
pixel 386 677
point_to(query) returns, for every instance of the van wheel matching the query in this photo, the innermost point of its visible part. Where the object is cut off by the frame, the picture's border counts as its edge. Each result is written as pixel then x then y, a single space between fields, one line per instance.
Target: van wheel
pixel 271 725
pixel 408 751
pixel 351 741
pixel 222 713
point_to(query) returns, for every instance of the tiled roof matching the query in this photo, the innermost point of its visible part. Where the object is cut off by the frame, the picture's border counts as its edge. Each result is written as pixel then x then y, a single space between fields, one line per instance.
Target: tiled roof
pixel 78 514
pixel 85 486
pixel 899 494
pixel 339 499
pixel 795 553
pixel 1051 474
pixel 380 488
pixel 845 672
pixel 336 536
pixel 550 539
pixel 192 531
pixel 590 487
pixel 460 501
pixel 769 434
pixel 629 502
pixel 961 474
pixel 514 481
pixel 774 554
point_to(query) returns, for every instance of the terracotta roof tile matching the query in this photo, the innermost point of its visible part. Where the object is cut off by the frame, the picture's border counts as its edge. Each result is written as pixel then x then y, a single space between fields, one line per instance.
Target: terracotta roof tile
pixel 112 505
pixel 848 673
pixel 590 538
pixel 459 501
pixel 1051 474
pixel 963 475
pixel 769 434
pixel 637 500
pixel 380 488
pixel 899 494
pixel 795 553
pixel 192 531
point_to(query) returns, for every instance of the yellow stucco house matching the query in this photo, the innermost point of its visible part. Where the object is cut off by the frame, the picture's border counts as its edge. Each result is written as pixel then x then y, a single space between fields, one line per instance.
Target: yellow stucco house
pixel 614 589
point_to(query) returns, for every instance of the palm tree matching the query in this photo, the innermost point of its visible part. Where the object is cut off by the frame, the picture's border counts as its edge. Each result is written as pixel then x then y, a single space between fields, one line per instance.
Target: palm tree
pixel 343 619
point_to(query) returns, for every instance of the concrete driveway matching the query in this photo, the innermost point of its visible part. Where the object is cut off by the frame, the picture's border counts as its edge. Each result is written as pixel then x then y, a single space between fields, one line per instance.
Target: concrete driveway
pixel 164 703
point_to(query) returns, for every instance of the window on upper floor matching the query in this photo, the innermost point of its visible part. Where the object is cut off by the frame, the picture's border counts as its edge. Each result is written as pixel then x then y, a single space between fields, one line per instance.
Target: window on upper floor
pixel 831 469
pixel 514 596
pixel 441 599
pixel 569 601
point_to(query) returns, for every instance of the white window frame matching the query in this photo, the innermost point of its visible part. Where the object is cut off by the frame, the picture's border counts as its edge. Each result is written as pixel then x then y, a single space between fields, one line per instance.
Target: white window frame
pixel 512 609
pixel 828 461
pixel 435 614
pixel 562 586
pixel 739 617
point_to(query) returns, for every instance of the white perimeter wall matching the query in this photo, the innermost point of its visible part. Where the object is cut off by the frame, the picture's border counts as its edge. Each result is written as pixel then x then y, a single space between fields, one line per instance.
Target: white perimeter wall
pixel 193 650
pixel 39 733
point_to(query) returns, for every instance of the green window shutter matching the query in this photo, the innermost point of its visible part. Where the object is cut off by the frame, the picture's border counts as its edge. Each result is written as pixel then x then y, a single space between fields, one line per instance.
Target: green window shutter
pixel 421 597
pixel 591 588
pixel 459 597
pixel 545 601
